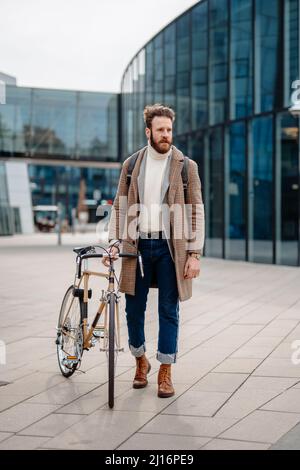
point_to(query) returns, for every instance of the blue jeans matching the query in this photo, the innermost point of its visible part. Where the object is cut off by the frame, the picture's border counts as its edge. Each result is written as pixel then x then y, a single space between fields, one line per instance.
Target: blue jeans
pixel 156 260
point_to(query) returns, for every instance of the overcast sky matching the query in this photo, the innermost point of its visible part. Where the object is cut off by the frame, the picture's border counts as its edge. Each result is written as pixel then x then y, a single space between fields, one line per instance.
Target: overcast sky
pixel 78 44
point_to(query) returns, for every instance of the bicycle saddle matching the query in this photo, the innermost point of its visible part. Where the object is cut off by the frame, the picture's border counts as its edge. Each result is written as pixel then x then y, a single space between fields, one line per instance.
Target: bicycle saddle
pixel 82 250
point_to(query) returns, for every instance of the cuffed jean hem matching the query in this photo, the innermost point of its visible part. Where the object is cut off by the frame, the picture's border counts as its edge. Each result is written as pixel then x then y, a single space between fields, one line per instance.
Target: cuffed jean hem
pixel 137 352
pixel 166 358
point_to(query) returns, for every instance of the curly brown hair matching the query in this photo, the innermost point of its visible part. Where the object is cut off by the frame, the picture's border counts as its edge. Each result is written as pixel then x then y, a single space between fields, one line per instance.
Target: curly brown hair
pixel 157 109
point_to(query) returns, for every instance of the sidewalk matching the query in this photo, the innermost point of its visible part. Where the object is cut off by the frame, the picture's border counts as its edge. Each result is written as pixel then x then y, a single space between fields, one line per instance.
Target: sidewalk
pixel 236 385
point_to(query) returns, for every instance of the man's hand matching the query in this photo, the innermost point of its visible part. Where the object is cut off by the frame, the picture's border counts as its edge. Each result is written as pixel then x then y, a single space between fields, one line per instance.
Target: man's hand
pixel 192 268
pixel 113 250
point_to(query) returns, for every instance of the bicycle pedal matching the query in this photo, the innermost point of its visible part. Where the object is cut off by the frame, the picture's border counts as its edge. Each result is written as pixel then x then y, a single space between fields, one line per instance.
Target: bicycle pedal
pixel 71 358
pixel 98 333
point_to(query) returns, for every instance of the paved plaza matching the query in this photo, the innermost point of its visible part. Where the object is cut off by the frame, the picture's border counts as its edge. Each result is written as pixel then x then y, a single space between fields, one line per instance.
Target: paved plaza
pixel 237 378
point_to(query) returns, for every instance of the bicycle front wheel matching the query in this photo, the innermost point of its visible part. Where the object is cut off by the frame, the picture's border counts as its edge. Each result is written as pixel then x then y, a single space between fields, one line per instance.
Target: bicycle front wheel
pixel 111 352
pixel 69 339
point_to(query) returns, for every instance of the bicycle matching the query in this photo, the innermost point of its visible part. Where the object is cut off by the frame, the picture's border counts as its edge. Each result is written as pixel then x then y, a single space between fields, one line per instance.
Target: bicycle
pixel 73 333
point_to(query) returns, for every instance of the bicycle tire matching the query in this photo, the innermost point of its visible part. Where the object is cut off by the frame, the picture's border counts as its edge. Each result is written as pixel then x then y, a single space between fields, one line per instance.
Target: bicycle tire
pixel 111 352
pixel 60 342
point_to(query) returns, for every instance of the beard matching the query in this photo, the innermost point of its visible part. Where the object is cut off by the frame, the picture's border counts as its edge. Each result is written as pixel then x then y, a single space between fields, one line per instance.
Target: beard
pixel 162 145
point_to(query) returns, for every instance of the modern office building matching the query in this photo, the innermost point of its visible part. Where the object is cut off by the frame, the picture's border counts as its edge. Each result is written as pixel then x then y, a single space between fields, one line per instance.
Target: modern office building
pixel 64 138
pixel 227 68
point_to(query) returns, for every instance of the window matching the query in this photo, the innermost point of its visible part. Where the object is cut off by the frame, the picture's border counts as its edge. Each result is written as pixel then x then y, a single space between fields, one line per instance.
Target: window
pixel 218 70
pixel 287 189
pixel 261 190
pixel 199 66
pixel 235 192
pixel 267 72
pixel 241 58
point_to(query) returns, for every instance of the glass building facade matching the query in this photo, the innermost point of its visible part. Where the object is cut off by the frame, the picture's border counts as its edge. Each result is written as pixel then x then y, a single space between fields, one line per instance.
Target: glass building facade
pixel 59 124
pixel 227 67
pixel 66 137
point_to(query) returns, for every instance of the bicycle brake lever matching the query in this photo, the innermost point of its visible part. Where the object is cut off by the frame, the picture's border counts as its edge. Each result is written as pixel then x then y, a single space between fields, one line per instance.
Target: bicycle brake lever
pixel 141 264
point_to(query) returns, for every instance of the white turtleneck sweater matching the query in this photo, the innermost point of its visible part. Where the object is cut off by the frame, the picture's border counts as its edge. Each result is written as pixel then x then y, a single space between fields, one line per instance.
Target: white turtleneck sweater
pixel 150 214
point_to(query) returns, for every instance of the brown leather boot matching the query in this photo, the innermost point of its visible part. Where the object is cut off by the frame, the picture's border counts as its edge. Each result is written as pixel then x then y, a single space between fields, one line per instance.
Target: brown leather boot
pixel 165 386
pixel 143 367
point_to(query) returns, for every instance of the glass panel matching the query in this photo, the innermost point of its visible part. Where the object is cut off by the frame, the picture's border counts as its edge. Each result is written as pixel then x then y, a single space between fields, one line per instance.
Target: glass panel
pixel 196 151
pixel 170 66
pixel 98 125
pixel 199 66
pixel 15 121
pixel 235 187
pixel 158 68
pixel 241 58
pixel 287 190
pixel 218 78
pixel 183 74
pixel 214 245
pixel 141 100
pixel 267 72
pixel 291 42
pixel 51 185
pixel 149 73
pixel 181 142
pixel 53 122
pixel 261 190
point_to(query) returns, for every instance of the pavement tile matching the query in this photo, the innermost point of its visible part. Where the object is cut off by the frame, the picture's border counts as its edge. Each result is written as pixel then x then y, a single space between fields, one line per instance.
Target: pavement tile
pixel 94 400
pixel 146 399
pixel 142 441
pixel 23 443
pixel 269 383
pixel 197 403
pixel 227 444
pixel 104 429
pixel 5 435
pixel 51 426
pixel 262 426
pixel 63 393
pixel 238 365
pixel 278 367
pixel 188 425
pixel 22 415
pixel 245 401
pixel 220 382
pixel 288 401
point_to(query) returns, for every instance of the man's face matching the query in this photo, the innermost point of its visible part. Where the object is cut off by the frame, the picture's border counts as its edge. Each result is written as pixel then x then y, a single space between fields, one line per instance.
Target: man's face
pixel 161 134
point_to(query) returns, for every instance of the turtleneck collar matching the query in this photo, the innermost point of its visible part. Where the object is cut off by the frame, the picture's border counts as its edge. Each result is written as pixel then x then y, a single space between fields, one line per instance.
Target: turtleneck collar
pixel 156 155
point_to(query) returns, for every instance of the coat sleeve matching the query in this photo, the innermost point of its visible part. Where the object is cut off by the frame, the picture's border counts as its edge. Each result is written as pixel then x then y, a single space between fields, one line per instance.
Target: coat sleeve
pixel 119 209
pixel 195 210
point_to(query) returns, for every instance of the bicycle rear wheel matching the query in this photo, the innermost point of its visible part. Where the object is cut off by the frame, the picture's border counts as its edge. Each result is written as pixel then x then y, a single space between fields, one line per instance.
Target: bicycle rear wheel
pixel 111 352
pixel 69 334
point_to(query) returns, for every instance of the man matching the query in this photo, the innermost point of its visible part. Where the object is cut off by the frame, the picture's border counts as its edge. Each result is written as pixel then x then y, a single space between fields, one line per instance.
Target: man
pixel 153 216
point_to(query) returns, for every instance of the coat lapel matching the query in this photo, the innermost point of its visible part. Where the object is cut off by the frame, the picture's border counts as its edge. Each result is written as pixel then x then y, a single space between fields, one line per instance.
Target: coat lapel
pixel 175 172
pixel 141 175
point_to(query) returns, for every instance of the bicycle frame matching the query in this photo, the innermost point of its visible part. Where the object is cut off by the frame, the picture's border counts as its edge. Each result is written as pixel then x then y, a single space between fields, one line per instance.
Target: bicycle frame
pixel 107 296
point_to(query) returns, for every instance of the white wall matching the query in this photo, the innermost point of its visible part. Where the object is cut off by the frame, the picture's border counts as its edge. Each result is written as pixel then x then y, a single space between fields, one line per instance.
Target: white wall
pixel 19 193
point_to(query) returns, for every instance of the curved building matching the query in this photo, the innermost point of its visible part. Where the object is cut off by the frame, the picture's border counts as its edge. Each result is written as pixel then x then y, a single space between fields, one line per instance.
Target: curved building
pixel 227 67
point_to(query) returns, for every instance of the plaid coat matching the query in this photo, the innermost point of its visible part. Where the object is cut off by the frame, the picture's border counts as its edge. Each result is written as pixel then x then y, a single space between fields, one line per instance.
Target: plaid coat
pixel 124 217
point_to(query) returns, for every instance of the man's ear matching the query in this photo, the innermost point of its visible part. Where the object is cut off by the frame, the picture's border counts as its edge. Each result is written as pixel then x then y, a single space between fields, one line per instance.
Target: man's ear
pixel 147 132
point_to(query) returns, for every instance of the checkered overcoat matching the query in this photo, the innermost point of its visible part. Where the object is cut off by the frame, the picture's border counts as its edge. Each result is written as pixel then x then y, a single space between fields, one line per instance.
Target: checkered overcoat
pixel 125 215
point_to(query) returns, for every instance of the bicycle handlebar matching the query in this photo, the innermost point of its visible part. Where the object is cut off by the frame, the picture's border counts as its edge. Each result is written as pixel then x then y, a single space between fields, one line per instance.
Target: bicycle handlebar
pixel 101 255
pixel 83 254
